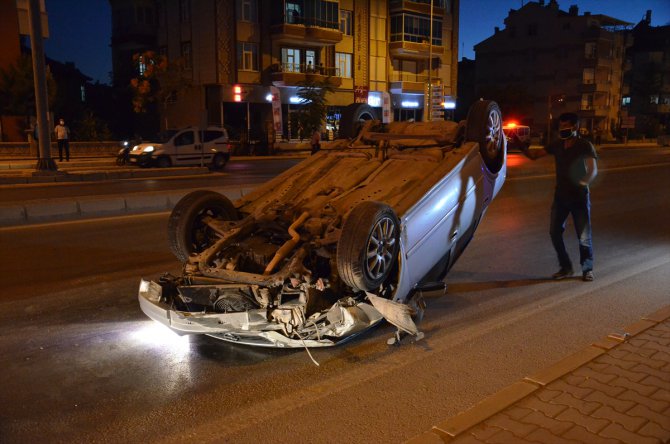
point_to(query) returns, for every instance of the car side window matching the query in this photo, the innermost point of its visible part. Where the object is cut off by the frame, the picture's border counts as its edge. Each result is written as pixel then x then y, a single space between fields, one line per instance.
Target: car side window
pixel 185 138
pixel 212 135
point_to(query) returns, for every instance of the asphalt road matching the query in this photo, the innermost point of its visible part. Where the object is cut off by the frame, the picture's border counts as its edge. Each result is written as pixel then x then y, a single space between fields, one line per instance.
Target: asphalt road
pixel 81 363
pixel 236 172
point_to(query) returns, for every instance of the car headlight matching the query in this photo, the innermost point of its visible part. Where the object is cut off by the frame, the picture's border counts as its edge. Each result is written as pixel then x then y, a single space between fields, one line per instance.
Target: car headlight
pixel 125 143
pixel 148 149
pixel 135 147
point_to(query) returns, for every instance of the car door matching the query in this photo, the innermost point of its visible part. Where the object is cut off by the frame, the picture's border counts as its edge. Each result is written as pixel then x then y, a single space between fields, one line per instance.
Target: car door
pixel 186 151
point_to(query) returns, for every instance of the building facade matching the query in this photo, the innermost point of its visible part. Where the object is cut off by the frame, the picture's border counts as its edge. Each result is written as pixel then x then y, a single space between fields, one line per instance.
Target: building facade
pixel 236 52
pixel 646 85
pixel 552 61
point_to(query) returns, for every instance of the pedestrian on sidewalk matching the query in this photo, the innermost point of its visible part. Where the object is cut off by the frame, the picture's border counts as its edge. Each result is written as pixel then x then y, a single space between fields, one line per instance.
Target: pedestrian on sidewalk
pixel 63 137
pixel 316 141
pixel 575 160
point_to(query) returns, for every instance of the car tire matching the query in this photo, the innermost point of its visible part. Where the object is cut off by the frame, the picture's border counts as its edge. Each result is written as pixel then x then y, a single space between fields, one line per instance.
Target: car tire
pixel 163 162
pixel 353 118
pixel 484 126
pixel 187 233
pixel 368 246
pixel 219 161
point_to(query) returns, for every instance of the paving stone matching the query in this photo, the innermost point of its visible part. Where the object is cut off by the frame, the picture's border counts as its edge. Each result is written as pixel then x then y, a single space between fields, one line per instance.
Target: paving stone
pixel 651 344
pixel 572 379
pixel 464 439
pixel 656 431
pixel 661 356
pixel 605 388
pixel 574 389
pixel 620 405
pixel 644 390
pixel 593 425
pixel 546 395
pixel 579 433
pixel 607 358
pixel 656 382
pixel 544 422
pixel 548 408
pixel 598 374
pixel 506 423
pixel 643 368
pixel 615 431
pixel 544 436
pixel 615 371
pixel 630 423
pixel 516 412
pixel 585 407
pixel 661 395
pixel 483 431
pixel 645 412
pixel 505 437
pixel 651 403
pixel 635 350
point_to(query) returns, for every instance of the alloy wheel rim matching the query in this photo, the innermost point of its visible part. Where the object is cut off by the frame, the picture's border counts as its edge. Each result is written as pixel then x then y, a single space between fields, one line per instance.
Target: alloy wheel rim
pixel 493 139
pixel 380 248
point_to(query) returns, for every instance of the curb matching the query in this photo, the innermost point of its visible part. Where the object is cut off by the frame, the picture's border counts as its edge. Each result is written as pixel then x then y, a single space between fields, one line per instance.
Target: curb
pixel 85 207
pixel 458 425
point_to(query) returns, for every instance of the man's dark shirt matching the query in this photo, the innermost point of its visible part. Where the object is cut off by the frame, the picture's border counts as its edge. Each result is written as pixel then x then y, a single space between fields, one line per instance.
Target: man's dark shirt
pixel 570 167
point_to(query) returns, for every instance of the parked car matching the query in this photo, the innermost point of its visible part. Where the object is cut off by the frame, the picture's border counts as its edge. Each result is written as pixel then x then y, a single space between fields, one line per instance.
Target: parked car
pixel 518 136
pixel 188 146
pixel 339 242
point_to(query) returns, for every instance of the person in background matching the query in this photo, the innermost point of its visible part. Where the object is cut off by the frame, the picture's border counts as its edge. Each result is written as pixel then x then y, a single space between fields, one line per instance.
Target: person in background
pixel 316 141
pixel 575 160
pixel 63 137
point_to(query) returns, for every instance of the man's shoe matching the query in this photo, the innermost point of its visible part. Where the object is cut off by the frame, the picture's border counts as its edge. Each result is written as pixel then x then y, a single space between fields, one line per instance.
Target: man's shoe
pixel 587 276
pixel 562 273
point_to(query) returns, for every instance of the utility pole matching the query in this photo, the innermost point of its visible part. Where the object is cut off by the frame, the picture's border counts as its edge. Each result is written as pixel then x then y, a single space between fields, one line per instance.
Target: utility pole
pixel 430 66
pixel 45 163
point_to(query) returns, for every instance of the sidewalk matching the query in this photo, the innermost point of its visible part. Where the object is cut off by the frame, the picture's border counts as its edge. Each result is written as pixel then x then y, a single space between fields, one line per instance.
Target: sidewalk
pixel 616 390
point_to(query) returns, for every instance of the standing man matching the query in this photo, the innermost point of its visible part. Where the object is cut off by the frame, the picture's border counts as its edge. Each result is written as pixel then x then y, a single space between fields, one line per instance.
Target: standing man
pixel 576 168
pixel 315 141
pixel 63 136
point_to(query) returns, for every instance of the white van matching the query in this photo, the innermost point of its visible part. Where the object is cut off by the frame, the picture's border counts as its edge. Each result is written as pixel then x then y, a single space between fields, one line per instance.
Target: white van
pixel 188 146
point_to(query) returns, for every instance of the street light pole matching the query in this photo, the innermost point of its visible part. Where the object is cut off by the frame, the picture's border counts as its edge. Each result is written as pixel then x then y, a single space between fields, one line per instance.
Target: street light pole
pixel 45 163
pixel 430 66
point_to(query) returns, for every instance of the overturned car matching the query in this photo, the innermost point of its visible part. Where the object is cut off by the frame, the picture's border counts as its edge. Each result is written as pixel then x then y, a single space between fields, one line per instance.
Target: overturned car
pixel 337 243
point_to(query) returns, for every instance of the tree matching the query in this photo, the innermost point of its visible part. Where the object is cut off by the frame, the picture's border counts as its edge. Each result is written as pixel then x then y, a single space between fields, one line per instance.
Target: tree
pixel 90 127
pixel 159 82
pixel 311 115
pixel 17 88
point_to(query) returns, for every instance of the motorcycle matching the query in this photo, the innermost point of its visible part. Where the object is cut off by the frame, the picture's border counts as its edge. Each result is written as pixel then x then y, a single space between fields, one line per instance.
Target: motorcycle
pixel 126 147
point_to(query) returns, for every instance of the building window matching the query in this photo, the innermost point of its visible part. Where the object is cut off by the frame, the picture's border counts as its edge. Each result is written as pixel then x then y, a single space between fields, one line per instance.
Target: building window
pixel 343 64
pixel 184 11
pixel 247 10
pixel 346 22
pixel 625 101
pixel 653 99
pixel 290 59
pixel 415 28
pixel 186 55
pixel 587 102
pixel 326 14
pixel 83 93
pixel 247 56
pixel 141 65
pixel 588 76
pixel 293 13
pixel 590 50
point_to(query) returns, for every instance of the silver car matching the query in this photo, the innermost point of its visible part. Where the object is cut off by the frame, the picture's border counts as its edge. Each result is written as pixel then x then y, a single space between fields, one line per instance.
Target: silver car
pixel 339 242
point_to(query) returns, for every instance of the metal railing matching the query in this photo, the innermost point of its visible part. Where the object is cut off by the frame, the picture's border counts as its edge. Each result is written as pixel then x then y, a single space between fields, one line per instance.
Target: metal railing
pixel 303 68
pixel 295 19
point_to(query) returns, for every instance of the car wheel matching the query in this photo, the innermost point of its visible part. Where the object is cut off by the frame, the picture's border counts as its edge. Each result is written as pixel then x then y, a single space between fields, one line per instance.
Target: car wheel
pixel 187 231
pixel 219 161
pixel 163 162
pixel 368 246
pixel 484 126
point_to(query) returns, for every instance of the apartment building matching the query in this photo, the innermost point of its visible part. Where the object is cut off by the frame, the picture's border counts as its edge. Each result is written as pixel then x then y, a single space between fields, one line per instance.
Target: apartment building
pixel 561 61
pixel 236 52
pixel 646 86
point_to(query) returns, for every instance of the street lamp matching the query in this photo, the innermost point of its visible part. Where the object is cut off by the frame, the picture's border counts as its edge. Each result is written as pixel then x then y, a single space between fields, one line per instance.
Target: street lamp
pixel 559 98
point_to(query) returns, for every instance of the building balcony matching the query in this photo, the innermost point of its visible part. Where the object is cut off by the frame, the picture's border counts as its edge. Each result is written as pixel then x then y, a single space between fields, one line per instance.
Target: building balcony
pixel 401 83
pixel 293 74
pixel 303 30
pixel 588 110
pixel 412 50
pixel 418 6
pixel 592 87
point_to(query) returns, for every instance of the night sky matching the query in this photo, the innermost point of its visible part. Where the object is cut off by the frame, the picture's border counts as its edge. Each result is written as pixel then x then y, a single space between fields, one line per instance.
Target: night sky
pixel 81 29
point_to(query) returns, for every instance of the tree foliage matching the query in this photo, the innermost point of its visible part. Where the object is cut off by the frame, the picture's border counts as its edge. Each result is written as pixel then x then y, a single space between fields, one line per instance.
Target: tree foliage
pixel 159 82
pixel 17 88
pixel 311 115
